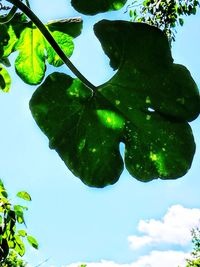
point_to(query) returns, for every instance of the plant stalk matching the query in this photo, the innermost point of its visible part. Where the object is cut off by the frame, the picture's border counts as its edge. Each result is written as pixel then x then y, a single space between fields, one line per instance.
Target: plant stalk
pixel 52 42
pixel 9 16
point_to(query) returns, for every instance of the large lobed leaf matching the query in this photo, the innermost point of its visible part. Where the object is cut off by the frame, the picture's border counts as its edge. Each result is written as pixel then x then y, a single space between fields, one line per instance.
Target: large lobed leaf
pixel 91 7
pixel 33 48
pixel 145 105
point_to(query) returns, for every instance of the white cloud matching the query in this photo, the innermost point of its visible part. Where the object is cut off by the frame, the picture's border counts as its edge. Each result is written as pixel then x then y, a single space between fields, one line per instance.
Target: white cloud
pixel 154 259
pixel 174 228
pixel 162 258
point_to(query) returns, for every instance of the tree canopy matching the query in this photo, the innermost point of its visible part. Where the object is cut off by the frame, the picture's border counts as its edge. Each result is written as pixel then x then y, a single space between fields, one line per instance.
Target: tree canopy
pixel 11 234
pixel 194 261
pixel 166 15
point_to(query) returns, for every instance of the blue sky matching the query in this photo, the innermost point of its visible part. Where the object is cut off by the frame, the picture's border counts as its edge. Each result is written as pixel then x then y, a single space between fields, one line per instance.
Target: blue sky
pixel 128 223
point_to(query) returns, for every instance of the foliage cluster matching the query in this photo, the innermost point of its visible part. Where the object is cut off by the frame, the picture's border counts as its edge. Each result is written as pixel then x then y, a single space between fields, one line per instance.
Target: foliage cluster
pixel 165 15
pixel 194 261
pixel 13 261
pixel 11 220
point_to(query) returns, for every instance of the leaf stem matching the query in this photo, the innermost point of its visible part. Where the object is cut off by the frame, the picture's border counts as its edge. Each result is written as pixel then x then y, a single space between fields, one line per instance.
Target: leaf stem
pixel 9 16
pixel 52 42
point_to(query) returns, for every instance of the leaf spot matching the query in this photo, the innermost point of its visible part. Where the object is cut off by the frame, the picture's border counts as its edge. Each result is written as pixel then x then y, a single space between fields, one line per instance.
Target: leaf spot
pixel 117 102
pixel 148 100
pixel 153 156
pixel 181 100
pixel 81 144
pixel 148 117
pixel 110 119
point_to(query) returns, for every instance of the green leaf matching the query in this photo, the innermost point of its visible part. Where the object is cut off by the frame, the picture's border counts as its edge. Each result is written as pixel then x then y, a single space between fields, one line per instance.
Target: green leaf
pixel 19 211
pixel 24 195
pixel 4 38
pixel 33 48
pixel 91 7
pixel 181 21
pixel 30 63
pixel 5 80
pixel 10 34
pixel 22 233
pixel 63 32
pixel 19 245
pixel 32 241
pixel 145 105
pixel 20 208
pixel 3 193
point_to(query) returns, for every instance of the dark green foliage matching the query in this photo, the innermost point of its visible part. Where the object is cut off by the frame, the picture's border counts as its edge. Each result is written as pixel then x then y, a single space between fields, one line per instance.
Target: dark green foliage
pixel 194 261
pixel 11 239
pixel 4 38
pixel 91 7
pixel 146 105
pixel 5 80
pixel 166 15
pixel 13 261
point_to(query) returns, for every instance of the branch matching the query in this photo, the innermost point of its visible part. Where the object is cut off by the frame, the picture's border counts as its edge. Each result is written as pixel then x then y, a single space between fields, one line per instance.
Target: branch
pixel 52 42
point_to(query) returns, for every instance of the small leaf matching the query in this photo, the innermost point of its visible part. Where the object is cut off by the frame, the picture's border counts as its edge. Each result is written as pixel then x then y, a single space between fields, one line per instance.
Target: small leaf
pixel 22 233
pixel 19 245
pixel 181 21
pixel 20 208
pixel 3 192
pixel 32 241
pixel 5 80
pixel 1 183
pixel 63 31
pixel 5 61
pixel 24 195
pixel 91 7
pixel 19 213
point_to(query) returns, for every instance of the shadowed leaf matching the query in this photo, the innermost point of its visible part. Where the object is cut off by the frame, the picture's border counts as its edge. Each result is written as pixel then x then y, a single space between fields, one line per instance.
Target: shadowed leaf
pixel 146 105
pixel 91 7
